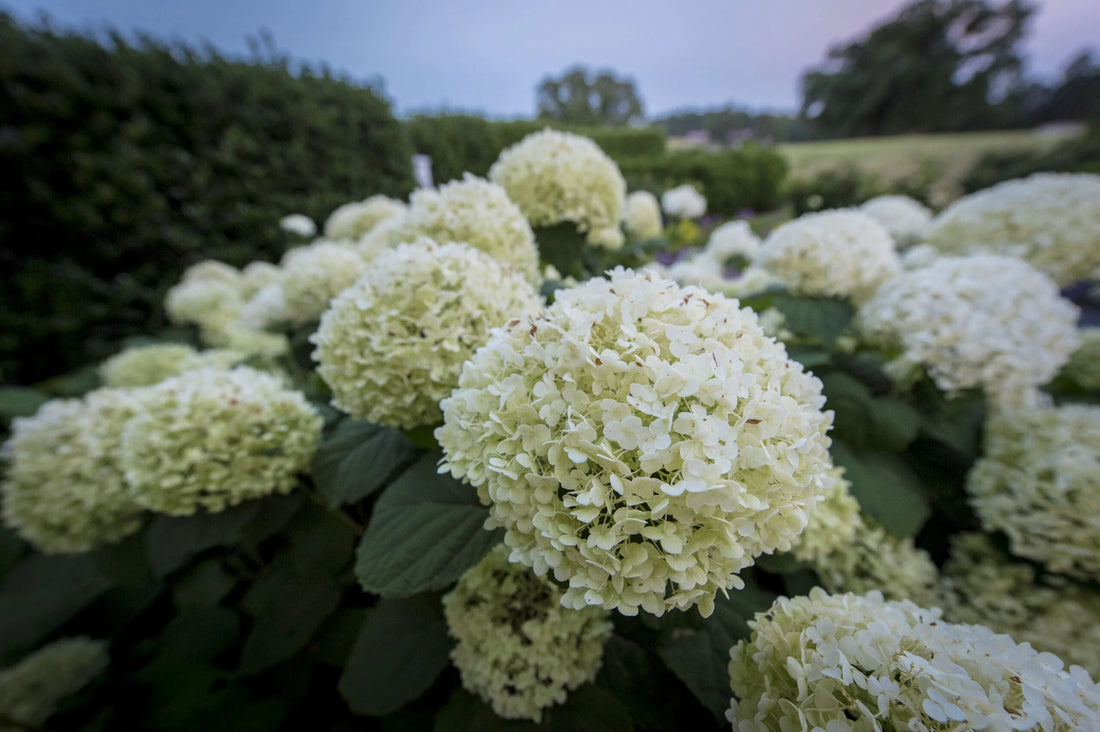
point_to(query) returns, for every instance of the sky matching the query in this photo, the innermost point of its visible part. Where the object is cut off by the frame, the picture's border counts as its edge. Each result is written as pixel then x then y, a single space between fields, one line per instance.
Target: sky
pixel 488 56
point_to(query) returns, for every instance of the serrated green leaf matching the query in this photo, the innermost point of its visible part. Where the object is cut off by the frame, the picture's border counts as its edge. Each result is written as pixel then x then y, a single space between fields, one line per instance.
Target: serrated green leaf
pixel 357 459
pixel 171 540
pixel 887 489
pixel 426 530
pixel 820 318
pixel 20 401
pixel 867 422
pixel 402 647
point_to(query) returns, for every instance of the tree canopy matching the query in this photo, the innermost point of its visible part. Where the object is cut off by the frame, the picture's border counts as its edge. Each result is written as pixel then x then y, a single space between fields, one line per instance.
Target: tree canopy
pixel 580 97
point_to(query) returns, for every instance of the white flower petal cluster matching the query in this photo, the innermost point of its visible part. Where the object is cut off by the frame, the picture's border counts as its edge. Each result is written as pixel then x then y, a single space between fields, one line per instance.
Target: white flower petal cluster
pixel 838 253
pixel 212 439
pixel 642 216
pixel 919 255
pixel 383 237
pixel 1038 481
pixel 267 308
pixel 980 321
pixel 905 218
pixel 557 176
pixel 392 345
pixel 31 689
pixel 701 271
pixel 151 364
pixel 353 220
pixel 834 522
pixel 858 662
pixel 298 224
pixel 257 275
pixel 1052 220
pixel 65 491
pixel 982 584
pixel 1083 366
pixel 732 239
pixel 683 202
pixel 314 274
pixel 475 212
pixel 517 647
pixel 644 442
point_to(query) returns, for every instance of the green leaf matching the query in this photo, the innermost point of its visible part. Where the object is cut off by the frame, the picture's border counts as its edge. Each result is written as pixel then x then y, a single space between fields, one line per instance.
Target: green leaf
pixel 820 318
pixel 587 709
pixel 865 421
pixel 886 487
pixel 19 401
pixel 563 247
pixel 171 540
pixel 204 585
pixel 426 530
pixel 289 607
pixel 809 356
pixel 333 642
pixel 402 647
pixel 320 543
pixel 464 712
pixel 357 459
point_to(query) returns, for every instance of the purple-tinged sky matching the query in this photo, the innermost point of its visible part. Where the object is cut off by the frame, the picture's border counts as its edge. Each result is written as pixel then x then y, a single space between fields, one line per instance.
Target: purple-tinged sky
pixel 489 55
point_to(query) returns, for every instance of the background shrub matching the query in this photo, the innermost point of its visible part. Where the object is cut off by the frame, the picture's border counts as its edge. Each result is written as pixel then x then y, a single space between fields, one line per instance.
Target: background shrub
pixel 1075 155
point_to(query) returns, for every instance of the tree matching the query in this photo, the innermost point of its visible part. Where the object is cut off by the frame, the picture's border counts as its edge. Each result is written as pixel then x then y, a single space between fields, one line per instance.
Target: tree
pixel 579 98
pixel 939 65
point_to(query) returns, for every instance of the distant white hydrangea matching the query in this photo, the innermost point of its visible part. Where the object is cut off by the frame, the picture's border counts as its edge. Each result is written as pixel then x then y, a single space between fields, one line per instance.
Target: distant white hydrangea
pixel 642 216
pixel 752 281
pixel 517 647
pixel 353 220
pixel 240 338
pixel 64 490
pixel 392 345
pixel 980 321
pixel 683 202
pixel 905 218
pixel 644 442
pixel 732 239
pixel 257 275
pixel 1038 481
pixel 267 308
pixel 315 274
pixel 475 212
pixel 858 662
pixel 298 224
pixel 209 295
pixel 211 439
pixel 153 363
pixel 1083 366
pixel 381 238
pixel 1051 220
pixel 919 255
pixel 556 177
pixel 700 270
pixel 981 584
pixel 31 689
pixel 836 253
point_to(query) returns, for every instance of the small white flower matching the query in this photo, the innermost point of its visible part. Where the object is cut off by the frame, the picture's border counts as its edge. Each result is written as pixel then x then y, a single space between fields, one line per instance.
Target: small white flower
pixel 298 224
pixel 683 202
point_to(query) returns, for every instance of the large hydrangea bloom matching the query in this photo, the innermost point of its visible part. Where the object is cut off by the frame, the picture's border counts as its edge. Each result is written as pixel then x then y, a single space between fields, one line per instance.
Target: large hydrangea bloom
pixel 1052 220
pixel 517 647
pixel 644 442
pixel 683 202
pixel 1039 482
pixel 31 689
pixel 858 662
pixel 980 321
pixel 839 253
pixel 558 176
pixel 642 216
pixel 392 345
pixel 905 218
pixel 150 364
pixel 212 439
pixel 314 274
pixel 65 491
pixel 353 220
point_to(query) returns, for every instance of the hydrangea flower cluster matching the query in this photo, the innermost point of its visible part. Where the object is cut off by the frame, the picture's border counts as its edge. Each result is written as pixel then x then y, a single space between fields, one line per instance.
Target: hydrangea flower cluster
pixel 212 439
pixel 732 239
pixel 65 491
pixel 1039 482
pixel 1083 366
pixel 31 689
pixel 557 176
pixel 683 202
pixel 1052 220
pixel 905 218
pixel 392 345
pixel 517 647
pixel 981 584
pixel 314 274
pixel 642 216
pixel 353 220
pixel 644 442
pixel 837 253
pixel 980 321
pixel 475 212
pixel 845 662
pixel 298 224
pixel 153 363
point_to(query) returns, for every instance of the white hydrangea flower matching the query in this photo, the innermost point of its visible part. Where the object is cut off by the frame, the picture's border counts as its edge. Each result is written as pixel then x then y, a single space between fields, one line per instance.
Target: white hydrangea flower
pixel 212 439
pixel 153 363
pixel 353 220
pixel 980 321
pixel 392 345
pixel 31 689
pixel 833 523
pixel 383 237
pixel 557 176
pixel 209 295
pixel 517 647
pixel 1038 481
pixel 238 337
pixel 905 218
pixel 700 270
pixel 838 253
pixel 1083 366
pixel 642 216
pixel 920 255
pixel 64 490
pixel 256 276
pixel 981 584
pixel 644 442
pixel 267 308
pixel 1052 220
pixel 298 224
pixel 683 202
pixel 475 212
pixel 858 662
pixel 732 239
pixel 313 275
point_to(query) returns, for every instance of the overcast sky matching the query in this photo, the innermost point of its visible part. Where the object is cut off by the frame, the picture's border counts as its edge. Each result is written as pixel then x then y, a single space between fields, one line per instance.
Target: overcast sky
pixel 488 56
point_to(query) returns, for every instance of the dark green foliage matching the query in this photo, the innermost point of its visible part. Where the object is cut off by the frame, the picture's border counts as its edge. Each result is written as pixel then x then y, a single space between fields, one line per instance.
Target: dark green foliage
pixel 583 97
pixel 1076 155
pixel 850 186
pixel 123 162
